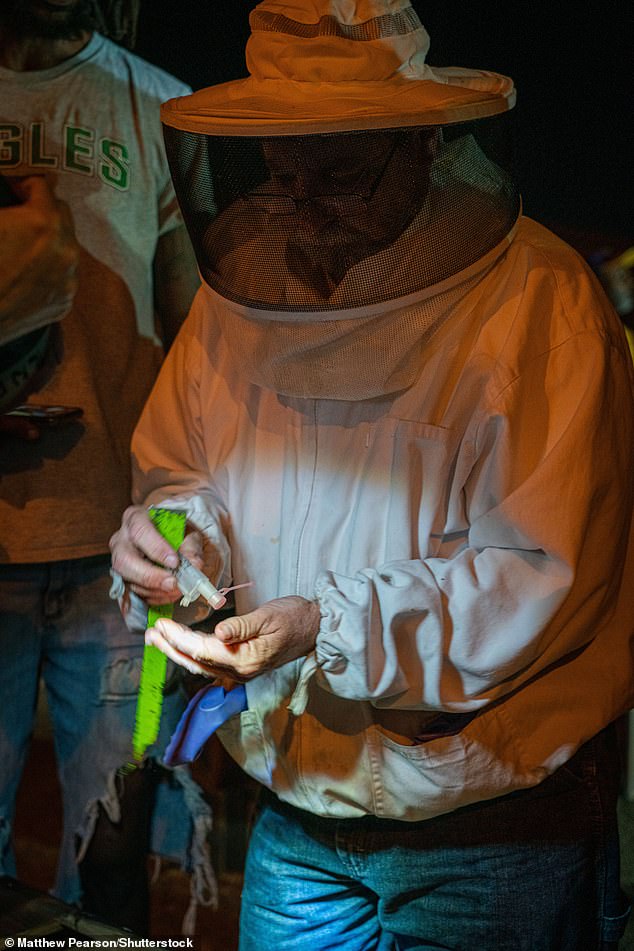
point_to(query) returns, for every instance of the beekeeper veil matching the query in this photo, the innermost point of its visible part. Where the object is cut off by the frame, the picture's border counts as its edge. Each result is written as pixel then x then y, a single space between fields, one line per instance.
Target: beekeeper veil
pixel 344 197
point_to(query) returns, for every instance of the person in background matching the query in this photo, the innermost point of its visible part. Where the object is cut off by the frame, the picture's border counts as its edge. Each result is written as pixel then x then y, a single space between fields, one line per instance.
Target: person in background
pixel 37 285
pixel 83 111
pixel 402 411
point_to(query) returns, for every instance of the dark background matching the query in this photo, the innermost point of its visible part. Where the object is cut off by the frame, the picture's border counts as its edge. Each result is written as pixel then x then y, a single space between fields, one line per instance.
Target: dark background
pixel 572 64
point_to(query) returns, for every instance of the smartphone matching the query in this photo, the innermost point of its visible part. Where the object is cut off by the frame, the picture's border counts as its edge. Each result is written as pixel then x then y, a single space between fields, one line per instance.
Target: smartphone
pixel 47 414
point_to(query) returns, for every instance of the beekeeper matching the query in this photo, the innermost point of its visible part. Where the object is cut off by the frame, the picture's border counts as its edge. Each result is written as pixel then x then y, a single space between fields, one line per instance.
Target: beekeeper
pixel 401 410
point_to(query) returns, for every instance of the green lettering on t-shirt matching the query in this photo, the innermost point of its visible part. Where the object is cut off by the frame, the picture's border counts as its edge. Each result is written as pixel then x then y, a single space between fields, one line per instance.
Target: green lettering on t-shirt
pixel 38 158
pixel 115 169
pixel 79 142
pixel 11 137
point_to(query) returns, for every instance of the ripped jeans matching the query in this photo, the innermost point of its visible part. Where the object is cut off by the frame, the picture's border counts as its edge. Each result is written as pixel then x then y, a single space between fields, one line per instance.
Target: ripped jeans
pixel 57 622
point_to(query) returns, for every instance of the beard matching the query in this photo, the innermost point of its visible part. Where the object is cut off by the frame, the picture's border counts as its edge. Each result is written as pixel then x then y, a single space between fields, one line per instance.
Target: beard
pixel 43 20
pixel 322 252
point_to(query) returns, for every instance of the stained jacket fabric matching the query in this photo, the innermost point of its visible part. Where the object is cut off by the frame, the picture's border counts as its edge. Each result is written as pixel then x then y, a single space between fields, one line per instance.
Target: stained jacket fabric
pixel 466 540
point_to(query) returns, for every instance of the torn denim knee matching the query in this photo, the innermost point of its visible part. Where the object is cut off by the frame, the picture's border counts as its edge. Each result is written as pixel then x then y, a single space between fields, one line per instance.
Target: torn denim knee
pixel 111 803
pixel 203 883
pixel 195 858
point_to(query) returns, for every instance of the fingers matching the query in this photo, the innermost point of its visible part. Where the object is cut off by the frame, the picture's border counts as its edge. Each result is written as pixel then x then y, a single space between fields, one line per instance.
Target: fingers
pixel 197 653
pixel 144 536
pixel 38 271
pixel 243 647
pixel 192 549
pixel 168 593
pixel 235 630
pixel 136 548
pixel 155 638
pixel 20 427
pixel 34 189
pixel 291 614
pixel 145 560
pixel 53 220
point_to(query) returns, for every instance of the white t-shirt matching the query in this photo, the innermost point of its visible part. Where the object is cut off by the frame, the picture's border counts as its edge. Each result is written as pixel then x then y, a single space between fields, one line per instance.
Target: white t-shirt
pixel 92 126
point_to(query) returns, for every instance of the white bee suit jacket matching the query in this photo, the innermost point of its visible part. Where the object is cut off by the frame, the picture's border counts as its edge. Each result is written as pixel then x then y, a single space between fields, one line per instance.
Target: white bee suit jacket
pixel 466 541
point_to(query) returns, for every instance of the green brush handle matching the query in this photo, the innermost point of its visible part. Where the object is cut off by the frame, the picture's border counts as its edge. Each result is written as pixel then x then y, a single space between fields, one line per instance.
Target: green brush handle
pixel 171 525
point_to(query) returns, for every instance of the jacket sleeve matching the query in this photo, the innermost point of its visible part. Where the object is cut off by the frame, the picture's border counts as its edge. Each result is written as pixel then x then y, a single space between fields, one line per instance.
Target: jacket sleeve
pixel 547 506
pixel 170 459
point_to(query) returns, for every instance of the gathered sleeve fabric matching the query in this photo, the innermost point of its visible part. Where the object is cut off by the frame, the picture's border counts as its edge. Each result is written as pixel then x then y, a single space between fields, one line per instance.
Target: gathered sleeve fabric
pixel 171 452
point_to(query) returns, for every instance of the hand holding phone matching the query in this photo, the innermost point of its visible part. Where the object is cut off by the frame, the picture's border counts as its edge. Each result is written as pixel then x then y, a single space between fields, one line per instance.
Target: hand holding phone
pixel 39 260
pixel 28 420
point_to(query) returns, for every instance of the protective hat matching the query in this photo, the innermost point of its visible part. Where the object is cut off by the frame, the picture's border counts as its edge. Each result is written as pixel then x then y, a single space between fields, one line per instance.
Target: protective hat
pixel 342 198
pixel 335 65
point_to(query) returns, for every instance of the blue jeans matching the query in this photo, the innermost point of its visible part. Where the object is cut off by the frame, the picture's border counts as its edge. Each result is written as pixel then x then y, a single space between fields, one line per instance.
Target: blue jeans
pixel 535 870
pixel 57 622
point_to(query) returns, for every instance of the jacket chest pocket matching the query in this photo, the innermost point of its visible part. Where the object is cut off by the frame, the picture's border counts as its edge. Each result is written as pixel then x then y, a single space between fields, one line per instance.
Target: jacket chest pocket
pixel 422 470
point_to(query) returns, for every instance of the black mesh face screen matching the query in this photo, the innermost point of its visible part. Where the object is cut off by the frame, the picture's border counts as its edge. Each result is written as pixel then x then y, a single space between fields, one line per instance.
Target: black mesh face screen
pixel 342 220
